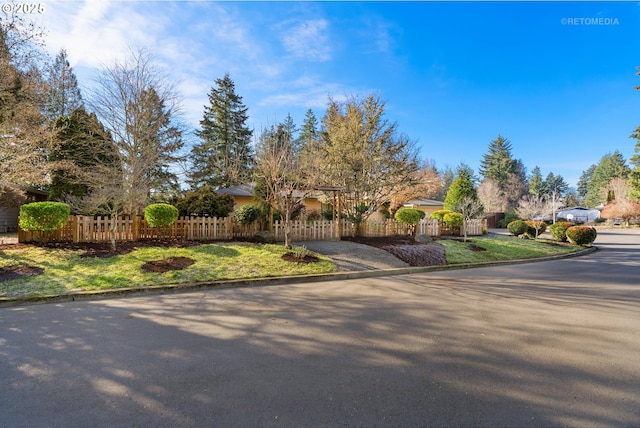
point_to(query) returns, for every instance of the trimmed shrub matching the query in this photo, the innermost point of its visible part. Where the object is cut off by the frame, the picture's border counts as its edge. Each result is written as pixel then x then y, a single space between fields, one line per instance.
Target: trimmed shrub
pixel 247 214
pixel 409 215
pixel 559 230
pixel 160 215
pixel 541 227
pixel 439 214
pixel 453 219
pixel 44 216
pixel 581 235
pixel 518 227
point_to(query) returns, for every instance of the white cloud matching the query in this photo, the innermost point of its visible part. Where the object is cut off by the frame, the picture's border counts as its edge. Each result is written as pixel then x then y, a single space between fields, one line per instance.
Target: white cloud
pixel 95 32
pixel 308 40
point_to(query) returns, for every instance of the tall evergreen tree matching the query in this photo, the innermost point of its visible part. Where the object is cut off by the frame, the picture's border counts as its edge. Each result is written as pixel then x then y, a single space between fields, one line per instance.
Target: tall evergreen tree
pixel 309 132
pixel 583 182
pixel 498 163
pixel 78 143
pixel 536 182
pixel 163 138
pixel 63 95
pixel 462 189
pixel 610 166
pixel 224 156
pixel 556 184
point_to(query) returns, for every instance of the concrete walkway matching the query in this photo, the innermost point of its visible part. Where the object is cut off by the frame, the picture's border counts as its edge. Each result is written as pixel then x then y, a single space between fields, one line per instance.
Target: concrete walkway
pixel 351 256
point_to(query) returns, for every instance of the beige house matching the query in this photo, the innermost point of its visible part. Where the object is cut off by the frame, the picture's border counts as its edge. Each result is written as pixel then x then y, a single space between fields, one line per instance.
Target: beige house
pixel 243 194
pixel 426 205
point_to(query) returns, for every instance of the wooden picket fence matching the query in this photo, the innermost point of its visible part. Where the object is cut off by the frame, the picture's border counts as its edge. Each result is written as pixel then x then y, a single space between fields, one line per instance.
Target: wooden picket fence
pixel 98 229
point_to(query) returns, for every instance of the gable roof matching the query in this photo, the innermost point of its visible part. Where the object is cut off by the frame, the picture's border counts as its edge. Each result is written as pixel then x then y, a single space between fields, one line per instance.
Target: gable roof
pixel 423 203
pixel 242 190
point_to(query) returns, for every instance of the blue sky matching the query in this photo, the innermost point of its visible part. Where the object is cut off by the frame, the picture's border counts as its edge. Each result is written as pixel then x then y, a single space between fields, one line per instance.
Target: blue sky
pixel 454 74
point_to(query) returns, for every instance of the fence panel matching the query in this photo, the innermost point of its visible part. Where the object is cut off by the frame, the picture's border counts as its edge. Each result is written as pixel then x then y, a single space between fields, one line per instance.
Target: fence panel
pixel 98 229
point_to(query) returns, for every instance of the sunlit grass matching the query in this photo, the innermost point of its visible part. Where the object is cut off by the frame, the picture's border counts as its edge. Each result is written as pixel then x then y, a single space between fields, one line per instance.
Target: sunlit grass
pixel 66 271
pixel 502 248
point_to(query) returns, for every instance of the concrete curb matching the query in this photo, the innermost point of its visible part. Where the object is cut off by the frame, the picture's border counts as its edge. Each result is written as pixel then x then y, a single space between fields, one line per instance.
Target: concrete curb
pixel 263 282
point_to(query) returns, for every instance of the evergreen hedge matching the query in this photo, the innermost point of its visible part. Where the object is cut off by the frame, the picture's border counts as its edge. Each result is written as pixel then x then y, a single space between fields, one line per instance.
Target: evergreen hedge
pixel 581 235
pixel 160 215
pixel 44 216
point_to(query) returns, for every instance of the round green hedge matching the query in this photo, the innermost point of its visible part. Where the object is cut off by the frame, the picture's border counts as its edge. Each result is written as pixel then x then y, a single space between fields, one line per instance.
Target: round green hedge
pixel 247 214
pixel 44 216
pixel 541 226
pixel 581 235
pixel 160 215
pixel 559 230
pixel 409 215
pixel 518 227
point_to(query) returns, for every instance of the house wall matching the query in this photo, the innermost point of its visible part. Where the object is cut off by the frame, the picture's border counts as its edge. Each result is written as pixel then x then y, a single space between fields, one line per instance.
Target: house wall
pixel 310 204
pixel 9 219
pixel 242 200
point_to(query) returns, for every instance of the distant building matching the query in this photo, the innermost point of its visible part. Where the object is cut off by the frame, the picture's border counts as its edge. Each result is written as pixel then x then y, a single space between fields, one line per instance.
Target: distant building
pixel 426 205
pixel 578 214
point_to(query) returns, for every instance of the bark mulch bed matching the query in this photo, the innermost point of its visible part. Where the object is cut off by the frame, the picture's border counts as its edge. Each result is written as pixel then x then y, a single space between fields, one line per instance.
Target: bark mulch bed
pixel 407 249
pixel 14 272
pixel 165 265
pixel 307 258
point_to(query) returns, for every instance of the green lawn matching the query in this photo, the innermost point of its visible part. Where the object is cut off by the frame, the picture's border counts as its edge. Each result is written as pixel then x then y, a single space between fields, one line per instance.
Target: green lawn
pixel 66 271
pixel 503 248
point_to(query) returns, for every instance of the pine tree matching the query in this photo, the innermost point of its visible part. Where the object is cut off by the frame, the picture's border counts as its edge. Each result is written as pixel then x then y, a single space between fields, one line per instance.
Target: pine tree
pixel 63 95
pixel 610 166
pixel 536 182
pixel 498 163
pixel 555 184
pixel 78 143
pixel 224 156
pixel 309 131
pixel 585 179
pixel 462 189
pixel 160 137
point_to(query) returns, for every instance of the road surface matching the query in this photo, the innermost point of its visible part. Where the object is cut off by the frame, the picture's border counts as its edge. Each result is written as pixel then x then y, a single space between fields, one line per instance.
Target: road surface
pixel 539 344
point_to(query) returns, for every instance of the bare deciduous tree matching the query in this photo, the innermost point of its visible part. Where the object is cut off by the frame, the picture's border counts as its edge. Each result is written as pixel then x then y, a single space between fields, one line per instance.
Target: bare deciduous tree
pixel 139 107
pixel 426 183
pixel 470 208
pixel 23 130
pixel 492 197
pixel 287 177
pixel 621 208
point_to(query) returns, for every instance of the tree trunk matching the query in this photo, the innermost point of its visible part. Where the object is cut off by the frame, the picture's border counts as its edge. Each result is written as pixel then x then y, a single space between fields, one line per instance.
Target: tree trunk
pixel 112 230
pixel 287 228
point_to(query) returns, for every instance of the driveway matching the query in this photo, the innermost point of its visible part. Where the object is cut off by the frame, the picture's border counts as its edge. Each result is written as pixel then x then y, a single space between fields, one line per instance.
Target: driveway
pixel 540 344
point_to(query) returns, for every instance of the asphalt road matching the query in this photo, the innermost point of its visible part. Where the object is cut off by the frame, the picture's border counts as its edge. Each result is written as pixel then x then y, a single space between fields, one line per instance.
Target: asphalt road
pixel 539 344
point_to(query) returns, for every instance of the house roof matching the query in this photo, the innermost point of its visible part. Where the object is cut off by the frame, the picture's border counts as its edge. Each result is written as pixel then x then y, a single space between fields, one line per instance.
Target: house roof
pixel 245 190
pixel 423 203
